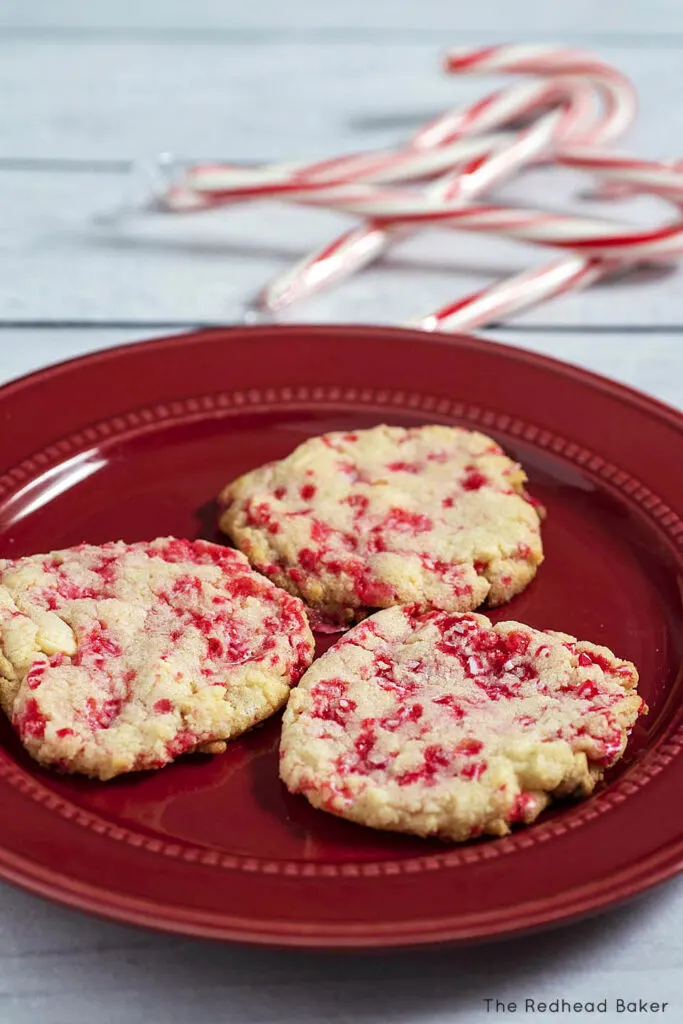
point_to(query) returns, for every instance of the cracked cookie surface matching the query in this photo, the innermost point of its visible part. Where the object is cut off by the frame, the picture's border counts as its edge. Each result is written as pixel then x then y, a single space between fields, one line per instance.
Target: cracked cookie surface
pixel 442 724
pixel 387 516
pixel 122 657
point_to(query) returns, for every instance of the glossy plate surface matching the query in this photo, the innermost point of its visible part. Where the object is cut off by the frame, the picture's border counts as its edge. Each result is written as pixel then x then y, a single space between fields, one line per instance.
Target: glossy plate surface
pixel 135 442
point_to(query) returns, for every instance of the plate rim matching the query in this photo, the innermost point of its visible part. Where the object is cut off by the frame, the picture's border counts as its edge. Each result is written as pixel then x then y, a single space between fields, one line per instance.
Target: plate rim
pixel 602 382
pixel 70 892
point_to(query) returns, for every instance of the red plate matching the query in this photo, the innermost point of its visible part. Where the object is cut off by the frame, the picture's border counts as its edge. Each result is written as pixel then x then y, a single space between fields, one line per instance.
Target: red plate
pixel 135 442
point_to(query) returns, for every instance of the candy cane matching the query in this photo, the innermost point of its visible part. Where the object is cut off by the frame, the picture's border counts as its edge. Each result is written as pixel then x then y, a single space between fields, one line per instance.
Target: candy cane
pixel 364 244
pixel 489 162
pixel 327 183
pixel 517 294
pixel 393 208
pixel 617 92
pixel 660 178
pixel 475 154
pixel 523 291
pixel 589 235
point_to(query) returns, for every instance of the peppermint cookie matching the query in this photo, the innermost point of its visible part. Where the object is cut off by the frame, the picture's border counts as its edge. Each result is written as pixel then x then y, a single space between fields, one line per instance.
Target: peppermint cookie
pixel 436 516
pixel 445 725
pixel 122 657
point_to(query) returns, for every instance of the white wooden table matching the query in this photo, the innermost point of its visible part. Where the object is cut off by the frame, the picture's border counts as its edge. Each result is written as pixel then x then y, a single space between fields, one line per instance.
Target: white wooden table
pixel 90 86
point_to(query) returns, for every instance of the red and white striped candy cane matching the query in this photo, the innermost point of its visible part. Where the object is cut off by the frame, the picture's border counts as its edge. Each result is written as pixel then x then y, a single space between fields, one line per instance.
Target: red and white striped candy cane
pixel 583 234
pixel 523 291
pixel 594 237
pixel 629 174
pixel 616 90
pixel 361 245
pixel 517 294
pixel 469 146
pixel 441 144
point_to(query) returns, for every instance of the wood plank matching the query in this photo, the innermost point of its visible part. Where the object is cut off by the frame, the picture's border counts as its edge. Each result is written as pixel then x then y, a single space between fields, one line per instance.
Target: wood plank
pixel 494 17
pixel 262 102
pixel 652 363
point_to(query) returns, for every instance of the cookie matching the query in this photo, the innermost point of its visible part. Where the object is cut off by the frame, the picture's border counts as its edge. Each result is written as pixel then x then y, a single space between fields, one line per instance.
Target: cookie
pixel 124 656
pixel 444 725
pixel 351 522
